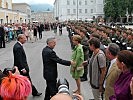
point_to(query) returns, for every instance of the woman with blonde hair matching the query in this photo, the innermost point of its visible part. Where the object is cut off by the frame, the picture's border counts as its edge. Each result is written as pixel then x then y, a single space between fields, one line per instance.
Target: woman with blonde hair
pixel 77 69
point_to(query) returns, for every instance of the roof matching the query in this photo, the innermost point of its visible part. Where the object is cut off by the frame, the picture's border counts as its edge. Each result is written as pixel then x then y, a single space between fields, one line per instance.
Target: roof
pixel 21 4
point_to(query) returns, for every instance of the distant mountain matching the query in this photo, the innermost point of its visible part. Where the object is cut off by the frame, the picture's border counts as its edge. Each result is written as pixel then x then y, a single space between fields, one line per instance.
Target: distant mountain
pixel 41 7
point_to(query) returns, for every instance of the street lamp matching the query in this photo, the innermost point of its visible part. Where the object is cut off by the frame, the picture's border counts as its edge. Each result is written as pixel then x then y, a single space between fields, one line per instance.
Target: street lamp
pixel 1 20
pixel 77 9
pixel 15 18
pixel 7 19
pixel 29 20
pixel 25 21
pixel 127 14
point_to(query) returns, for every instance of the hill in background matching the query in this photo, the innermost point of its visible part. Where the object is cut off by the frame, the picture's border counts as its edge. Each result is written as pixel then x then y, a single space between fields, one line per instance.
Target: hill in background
pixel 41 7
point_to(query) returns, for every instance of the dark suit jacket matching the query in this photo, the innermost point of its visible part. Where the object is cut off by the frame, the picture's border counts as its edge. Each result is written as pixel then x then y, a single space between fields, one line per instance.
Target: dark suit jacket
pixel 20 57
pixel 2 32
pixel 50 60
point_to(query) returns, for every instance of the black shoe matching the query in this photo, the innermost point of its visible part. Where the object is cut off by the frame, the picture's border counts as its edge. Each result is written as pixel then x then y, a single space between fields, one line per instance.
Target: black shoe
pixel 83 79
pixel 38 94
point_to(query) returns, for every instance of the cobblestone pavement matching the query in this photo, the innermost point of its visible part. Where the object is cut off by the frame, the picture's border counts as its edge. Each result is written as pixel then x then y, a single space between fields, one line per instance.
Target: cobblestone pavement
pixel 33 52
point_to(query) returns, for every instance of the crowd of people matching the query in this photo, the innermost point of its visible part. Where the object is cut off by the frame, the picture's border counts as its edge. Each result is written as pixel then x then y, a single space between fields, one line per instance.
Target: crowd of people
pixel 101 54
pixel 10 32
pixel 110 55
pixel 32 31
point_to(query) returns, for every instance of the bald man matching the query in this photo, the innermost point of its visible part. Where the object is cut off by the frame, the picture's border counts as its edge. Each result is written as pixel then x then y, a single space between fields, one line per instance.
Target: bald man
pixel 20 60
pixel 62 96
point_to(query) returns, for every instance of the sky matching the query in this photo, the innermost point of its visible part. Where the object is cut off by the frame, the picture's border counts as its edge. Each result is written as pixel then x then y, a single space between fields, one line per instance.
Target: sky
pixel 34 1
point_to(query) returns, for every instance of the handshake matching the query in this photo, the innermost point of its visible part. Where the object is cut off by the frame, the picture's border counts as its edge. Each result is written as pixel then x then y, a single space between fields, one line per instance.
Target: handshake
pixel 84 63
pixel 73 62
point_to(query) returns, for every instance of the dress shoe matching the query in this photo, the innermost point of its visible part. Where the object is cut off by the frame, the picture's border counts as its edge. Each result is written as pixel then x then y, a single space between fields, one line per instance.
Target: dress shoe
pixel 83 79
pixel 38 94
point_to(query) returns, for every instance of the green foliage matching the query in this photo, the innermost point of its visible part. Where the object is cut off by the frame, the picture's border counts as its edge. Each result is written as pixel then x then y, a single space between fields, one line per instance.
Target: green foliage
pixel 117 8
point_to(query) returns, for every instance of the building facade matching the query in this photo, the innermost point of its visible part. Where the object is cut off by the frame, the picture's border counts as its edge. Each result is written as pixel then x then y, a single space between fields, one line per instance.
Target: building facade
pixel 9 16
pixel 6 4
pixel 23 7
pixel 78 9
pixel 44 16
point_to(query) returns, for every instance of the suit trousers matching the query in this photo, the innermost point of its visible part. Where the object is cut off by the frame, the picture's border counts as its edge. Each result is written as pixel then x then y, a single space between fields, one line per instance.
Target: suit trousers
pixel 51 89
pixel 34 90
pixel 40 35
pixel 2 42
pixel 85 72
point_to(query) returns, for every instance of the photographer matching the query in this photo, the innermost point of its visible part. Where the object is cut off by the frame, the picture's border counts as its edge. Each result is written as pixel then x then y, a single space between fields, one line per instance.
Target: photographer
pixel 6 72
pixel 63 92
pixel 14 86
pixel 62 96
pixel 1 76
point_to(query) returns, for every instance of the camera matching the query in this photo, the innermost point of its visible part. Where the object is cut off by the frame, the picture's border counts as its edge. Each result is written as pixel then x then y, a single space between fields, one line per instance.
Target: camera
pixel 63 87
pixel 6 70
pixel 74 97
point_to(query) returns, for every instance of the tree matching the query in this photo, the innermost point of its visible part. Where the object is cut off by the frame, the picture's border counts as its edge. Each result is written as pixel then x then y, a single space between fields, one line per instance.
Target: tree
pixel 117 8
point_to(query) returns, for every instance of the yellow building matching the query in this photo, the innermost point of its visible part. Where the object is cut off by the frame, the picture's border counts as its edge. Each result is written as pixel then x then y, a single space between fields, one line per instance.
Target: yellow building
pixel 6 4
pixel 9 16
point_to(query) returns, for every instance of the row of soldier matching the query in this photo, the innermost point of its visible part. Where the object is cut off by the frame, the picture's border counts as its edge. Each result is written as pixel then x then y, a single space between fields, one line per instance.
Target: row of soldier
pixel 115 44
pixel 121 36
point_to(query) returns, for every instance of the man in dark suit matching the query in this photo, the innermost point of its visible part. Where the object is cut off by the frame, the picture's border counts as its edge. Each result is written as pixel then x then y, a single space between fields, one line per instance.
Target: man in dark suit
pixel 21 62
pixel 50 60
pixel 2 37
pixel 39 27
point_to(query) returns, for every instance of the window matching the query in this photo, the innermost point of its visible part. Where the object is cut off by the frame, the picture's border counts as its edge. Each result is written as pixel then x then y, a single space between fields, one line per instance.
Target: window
pixel 74 11
pixel 68 11
pixel 86 11
pixel 68 2
pixel 91 10
pixel 80 3
pixel 1 21
pixel 10 21
pixel 91 0
pixel 74 2
pixel 85 2
pixel 80 10
pixel 7 5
